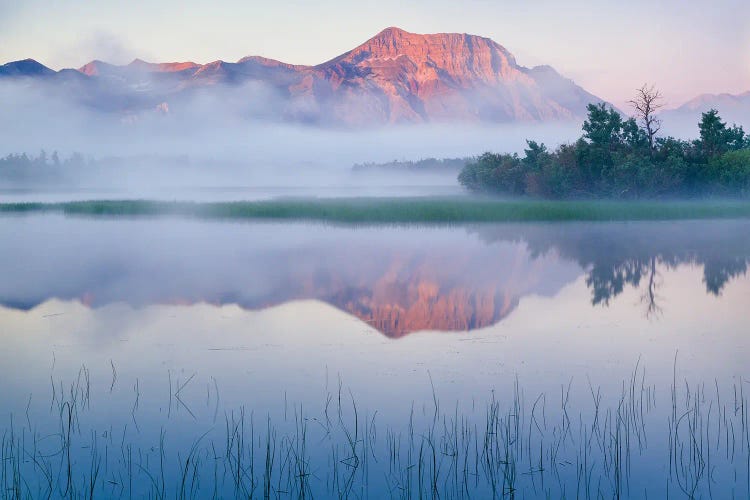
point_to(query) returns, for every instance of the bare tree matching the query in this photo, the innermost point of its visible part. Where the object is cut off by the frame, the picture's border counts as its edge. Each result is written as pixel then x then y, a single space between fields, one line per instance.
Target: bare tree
pixel 646 103
pixel 650 296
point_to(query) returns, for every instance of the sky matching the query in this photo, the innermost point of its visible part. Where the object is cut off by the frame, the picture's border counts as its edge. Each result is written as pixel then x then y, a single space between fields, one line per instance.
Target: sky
pixel 684 47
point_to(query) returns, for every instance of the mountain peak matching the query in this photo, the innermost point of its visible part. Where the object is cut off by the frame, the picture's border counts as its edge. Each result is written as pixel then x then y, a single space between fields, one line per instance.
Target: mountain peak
pixel 448 51
pixel 396 33
pixel 169 67
pixel 733 108
pixel 429 64
pixel 25 67
pixel 392 31
pixel 270 63
pixel 95 67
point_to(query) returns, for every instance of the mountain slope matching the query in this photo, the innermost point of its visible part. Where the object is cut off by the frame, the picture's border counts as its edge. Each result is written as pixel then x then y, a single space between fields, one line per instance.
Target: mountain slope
pixel 451 76
pixel 26 68
pixel 707 101
pixel 733 108
pixel 394 77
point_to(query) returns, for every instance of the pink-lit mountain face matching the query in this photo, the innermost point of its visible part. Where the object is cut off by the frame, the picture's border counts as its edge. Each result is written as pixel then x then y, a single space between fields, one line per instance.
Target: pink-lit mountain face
pixel 400 76
pixel 395 77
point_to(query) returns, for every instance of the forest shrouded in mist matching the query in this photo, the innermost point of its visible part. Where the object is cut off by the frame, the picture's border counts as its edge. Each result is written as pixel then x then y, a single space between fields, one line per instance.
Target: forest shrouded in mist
pixel 617 158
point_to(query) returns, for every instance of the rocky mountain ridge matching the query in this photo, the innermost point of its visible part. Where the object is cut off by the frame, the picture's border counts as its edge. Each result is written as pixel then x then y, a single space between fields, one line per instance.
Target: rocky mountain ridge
pixel 394 77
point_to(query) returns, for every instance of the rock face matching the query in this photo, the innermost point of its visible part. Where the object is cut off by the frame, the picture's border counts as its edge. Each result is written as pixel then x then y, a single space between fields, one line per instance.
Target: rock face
pixel 395 77
pixel 418 78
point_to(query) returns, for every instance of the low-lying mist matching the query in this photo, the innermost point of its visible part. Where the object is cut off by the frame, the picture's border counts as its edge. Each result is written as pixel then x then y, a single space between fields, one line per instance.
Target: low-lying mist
pixel 237 140
pixel 209 142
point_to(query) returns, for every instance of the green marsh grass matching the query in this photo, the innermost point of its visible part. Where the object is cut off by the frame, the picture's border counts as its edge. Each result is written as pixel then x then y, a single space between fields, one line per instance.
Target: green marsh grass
pixel 399 210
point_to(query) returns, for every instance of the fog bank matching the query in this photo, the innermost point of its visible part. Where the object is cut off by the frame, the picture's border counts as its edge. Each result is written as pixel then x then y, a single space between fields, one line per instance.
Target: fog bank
pixel 212 141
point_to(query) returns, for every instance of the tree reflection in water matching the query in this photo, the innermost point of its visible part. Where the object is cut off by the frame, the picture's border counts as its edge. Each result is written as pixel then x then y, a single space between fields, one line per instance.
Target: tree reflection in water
pixel 616 255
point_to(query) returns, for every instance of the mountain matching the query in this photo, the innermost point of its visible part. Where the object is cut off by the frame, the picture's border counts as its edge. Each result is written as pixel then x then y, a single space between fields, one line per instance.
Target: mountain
pixel 397 308
pixel 25 68
pixel 400 76
pixel 705 102
pixel 395 77
pixel 137 67
pixel 733 108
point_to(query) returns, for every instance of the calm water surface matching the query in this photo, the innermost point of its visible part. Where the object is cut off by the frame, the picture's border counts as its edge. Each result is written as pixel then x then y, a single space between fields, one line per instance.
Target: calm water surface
pixel 609 358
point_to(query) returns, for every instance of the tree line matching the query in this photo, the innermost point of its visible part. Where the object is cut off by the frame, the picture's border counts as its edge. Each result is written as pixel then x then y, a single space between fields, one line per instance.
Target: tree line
pixel 18 167
pixel 622 158
pixel 423 165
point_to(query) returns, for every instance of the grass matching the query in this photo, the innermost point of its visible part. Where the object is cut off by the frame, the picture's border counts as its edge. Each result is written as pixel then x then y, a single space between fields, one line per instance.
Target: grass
pixel 400 210
pixel 513 447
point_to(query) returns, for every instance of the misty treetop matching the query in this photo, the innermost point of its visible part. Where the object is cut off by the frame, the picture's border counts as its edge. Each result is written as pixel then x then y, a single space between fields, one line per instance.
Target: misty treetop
pixel 44 169
pixel 23 167
pixel 423 165
pixel 617 158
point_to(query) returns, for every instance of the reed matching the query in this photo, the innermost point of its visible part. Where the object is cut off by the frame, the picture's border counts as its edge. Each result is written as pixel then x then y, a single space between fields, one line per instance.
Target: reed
pixel 551 445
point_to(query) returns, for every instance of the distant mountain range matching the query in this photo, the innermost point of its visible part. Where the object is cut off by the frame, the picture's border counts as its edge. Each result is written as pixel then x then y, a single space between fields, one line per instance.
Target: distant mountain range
pixel 395 77
pixel 733 108
pixel 708 101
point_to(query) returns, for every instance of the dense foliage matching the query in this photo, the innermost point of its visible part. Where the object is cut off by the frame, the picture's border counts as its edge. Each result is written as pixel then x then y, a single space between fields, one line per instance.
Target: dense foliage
pixel 43 167
pixel 613 159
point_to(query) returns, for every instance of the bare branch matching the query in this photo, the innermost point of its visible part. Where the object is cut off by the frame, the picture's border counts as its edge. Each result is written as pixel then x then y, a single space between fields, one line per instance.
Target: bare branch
pixel 648 100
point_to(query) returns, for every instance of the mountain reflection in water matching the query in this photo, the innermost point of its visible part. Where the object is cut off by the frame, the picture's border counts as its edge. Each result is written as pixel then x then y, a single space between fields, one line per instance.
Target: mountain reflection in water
pixel 398 280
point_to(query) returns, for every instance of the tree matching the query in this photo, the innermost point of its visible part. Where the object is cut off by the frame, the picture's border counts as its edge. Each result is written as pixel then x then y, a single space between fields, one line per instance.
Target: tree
pixel 646 103
pixel 603 127
pixel 716 138
pixel 650 296
pixel 491 172
pixel 617 158
pixel 712 131
pixel 603 134
pixel 733 171
pixel 536 153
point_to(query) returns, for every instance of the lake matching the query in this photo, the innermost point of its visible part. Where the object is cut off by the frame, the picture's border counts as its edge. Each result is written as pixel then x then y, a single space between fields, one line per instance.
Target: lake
pixel 170 356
